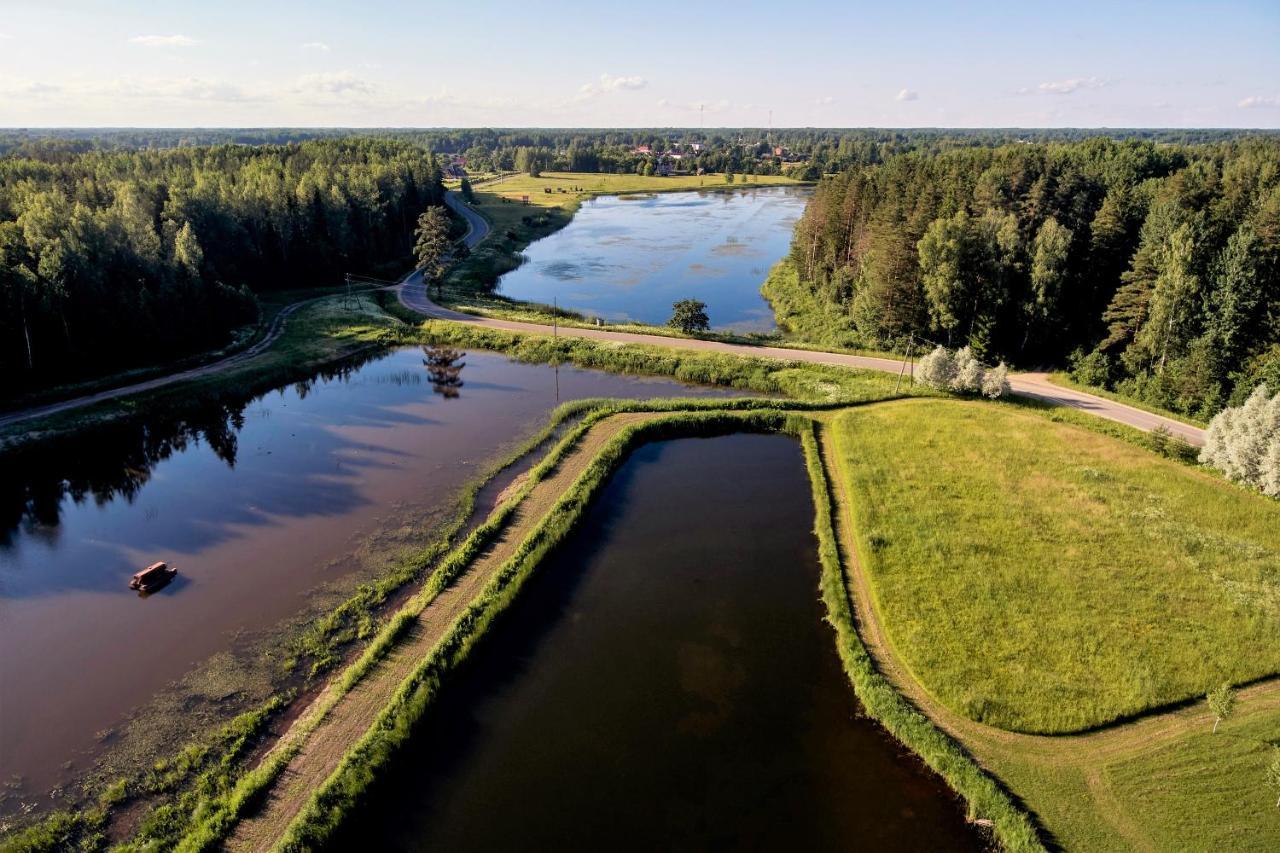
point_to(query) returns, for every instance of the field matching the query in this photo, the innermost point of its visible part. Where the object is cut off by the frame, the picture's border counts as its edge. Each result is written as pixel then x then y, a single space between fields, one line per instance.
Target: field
pixel 1039 578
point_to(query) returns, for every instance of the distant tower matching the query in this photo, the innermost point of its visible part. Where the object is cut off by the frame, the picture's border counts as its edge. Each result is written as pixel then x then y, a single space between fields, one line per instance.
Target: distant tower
pixel 702 124
pixel 769 137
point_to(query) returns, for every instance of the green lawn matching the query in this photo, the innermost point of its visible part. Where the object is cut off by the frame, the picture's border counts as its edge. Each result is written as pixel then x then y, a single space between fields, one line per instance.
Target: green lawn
pixel 1039 577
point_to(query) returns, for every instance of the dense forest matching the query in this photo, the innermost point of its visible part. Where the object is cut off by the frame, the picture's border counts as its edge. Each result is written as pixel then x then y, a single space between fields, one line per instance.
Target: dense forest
pixel 1153 269
pixel 111 258
pixel 814 151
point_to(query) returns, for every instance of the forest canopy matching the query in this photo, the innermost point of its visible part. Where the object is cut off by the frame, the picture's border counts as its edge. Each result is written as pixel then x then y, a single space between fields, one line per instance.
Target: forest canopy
pixel 115 258
pixel 1153 269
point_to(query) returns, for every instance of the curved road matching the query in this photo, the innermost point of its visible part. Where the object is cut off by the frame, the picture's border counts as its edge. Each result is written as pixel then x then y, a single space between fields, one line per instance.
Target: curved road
pixel 413 294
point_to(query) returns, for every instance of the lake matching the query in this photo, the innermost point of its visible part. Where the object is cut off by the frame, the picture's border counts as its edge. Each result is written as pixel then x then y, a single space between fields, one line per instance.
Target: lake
pixel 664 681
pixel 630 257
pixel 257 503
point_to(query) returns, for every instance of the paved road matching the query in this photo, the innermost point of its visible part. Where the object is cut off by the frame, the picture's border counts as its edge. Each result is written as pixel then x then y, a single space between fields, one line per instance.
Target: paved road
pixel 413 294
pixel 477 225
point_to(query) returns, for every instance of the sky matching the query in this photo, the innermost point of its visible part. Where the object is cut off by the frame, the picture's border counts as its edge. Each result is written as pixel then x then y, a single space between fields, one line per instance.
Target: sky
pixel 230 63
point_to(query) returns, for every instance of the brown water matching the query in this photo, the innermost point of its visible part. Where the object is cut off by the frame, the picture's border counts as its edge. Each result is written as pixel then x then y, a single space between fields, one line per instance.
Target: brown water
pixel 256 503
pixel 664 682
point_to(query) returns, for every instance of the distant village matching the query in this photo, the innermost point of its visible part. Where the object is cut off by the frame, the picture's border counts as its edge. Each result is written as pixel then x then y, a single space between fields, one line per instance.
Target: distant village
pixel 663 159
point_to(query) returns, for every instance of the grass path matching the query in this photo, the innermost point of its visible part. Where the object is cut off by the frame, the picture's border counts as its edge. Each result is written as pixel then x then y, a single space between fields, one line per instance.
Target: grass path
pixel 322 743
pixel 1072 768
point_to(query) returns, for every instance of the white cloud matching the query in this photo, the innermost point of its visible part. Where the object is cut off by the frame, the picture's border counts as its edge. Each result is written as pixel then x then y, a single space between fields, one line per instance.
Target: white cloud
pixel 316 45
pixel 164 41
pixel 1066 87
pixel 908 95
pixel 824 100
pixel 1260 102
pixel 171 90
pixel 5 36
pixel 609 83
pixel 334 84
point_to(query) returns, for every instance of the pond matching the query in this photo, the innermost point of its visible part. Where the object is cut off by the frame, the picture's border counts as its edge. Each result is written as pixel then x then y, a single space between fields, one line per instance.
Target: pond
pixel 630 257
pixel 665 681
pixel 257 504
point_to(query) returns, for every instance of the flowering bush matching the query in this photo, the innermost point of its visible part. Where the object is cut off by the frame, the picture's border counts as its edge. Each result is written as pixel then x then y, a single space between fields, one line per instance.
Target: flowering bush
pixel 962 373
pixel 1244 442
pixel 995 383
pixel 937 369
pixel 968 378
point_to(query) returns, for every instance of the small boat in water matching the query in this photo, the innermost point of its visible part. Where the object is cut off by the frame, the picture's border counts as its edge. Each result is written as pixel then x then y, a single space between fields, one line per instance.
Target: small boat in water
pixel 152 577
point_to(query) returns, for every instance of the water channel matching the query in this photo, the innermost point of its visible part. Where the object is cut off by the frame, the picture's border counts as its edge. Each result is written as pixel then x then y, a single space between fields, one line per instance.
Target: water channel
pixel 664 682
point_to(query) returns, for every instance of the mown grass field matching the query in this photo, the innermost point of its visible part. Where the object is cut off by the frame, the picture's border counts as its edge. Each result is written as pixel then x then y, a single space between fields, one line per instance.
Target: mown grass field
pixel 1163 783
pixel 1041 578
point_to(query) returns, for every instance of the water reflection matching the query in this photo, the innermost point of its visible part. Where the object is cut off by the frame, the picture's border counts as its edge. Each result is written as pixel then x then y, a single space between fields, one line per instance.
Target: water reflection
pixel 444 366
pixel 258 497
pixel 115 462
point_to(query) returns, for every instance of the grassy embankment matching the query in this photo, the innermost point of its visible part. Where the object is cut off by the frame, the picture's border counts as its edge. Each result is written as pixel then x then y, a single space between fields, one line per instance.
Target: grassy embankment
pixel 333 801
pixel 1036 577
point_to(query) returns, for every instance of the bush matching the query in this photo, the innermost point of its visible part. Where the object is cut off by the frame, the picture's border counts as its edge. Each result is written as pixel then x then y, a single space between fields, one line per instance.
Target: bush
pixel 938 369
pixel 969 373
pixel 963 373
pixel 1091 369
pixel 1244 442
pixel 996 381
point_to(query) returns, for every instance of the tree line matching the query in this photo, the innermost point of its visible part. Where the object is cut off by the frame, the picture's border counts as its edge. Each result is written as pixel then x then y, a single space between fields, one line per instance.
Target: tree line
pixel 724 149
pixel 112 258
pixel 1152 269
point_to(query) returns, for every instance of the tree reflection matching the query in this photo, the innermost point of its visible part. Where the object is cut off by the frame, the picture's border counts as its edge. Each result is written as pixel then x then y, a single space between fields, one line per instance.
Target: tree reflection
pixel 444 366
pixel 116 460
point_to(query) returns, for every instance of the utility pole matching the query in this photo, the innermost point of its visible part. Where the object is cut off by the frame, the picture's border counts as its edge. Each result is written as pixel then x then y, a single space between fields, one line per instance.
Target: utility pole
pixel 910 344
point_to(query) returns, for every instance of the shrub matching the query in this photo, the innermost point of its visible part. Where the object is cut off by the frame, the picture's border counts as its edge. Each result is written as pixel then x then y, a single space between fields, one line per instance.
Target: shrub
pixel 962 373
pixel 969 373
pixel 937 369
pixel 1244 442
pixel 996 381
pixel 1091 369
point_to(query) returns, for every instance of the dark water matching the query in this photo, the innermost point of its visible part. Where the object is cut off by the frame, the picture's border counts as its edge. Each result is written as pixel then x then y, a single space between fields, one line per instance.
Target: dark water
pixel 256 502
pixel 665 682
pixel 628 257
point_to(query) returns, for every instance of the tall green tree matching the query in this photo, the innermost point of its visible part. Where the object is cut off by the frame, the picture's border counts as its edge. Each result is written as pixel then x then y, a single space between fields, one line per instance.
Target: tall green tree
pixel 431 242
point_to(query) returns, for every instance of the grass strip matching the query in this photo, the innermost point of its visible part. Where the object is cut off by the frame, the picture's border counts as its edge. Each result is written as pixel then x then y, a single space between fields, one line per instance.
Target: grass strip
pixel 985 798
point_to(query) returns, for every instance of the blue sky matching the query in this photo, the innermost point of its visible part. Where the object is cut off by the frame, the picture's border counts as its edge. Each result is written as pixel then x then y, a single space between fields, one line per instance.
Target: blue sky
pixel 835 64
